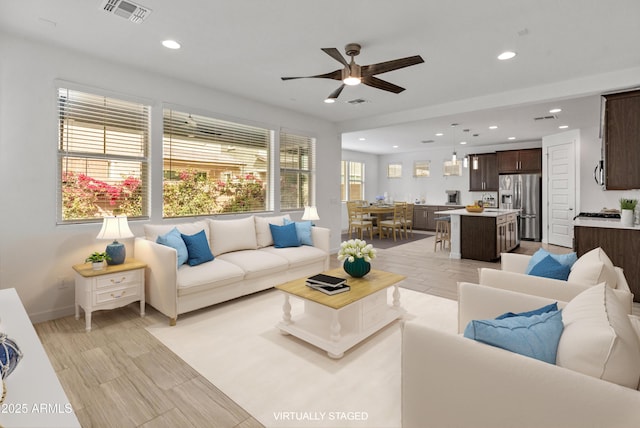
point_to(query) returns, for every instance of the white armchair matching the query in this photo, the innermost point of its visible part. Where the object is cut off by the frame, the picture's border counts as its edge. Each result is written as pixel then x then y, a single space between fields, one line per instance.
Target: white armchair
pixel 452 381
pixel 512 277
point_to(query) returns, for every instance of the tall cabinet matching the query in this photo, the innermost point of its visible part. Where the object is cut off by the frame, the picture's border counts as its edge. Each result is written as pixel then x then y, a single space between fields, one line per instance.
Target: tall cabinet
pixel 484 178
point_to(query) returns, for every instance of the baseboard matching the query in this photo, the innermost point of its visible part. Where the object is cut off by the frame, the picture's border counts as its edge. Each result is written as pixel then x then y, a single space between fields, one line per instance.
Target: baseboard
pixel 43 316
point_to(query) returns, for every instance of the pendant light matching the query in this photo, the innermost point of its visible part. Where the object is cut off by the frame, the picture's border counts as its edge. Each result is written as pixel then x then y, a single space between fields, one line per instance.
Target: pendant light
pixel 454 156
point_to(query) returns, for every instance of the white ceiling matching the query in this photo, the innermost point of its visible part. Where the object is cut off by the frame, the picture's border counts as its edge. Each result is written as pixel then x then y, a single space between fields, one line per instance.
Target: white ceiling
pixel 569 51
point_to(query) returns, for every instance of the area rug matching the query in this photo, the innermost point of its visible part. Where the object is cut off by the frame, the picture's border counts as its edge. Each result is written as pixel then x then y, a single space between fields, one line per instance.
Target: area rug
pixel 388 242
pixel 285 382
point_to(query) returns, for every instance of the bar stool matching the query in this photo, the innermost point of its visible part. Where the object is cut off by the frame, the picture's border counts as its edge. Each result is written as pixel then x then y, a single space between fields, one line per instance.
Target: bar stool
pixel 443 233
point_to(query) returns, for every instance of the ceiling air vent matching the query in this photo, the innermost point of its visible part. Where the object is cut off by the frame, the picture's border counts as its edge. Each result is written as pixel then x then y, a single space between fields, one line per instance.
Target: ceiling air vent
pixel 126 9
pixel 427 141
pixel 357 101
pixel 553 116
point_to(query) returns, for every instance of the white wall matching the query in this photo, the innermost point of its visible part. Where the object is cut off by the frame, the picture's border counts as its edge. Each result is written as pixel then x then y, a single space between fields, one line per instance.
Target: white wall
pixel 36 255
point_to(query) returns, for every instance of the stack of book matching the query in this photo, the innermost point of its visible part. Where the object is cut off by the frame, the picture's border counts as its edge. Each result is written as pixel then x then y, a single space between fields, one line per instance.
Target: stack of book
pixel 328 284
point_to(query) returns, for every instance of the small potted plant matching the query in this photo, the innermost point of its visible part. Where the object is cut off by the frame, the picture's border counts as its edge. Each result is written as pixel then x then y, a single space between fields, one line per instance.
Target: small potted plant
pixel 627 206
pixel 97 260
pixel 357 256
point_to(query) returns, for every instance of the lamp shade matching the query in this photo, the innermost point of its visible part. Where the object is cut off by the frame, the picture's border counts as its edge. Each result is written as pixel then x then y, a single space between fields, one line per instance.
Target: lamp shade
pixel 115 228
pixel 310 213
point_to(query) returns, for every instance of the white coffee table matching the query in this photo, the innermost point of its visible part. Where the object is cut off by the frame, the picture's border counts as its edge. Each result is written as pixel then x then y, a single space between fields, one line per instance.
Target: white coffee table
pixel 337 323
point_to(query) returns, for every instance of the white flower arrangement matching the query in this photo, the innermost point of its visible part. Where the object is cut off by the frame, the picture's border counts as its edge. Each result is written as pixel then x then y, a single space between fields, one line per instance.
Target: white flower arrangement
pixel 356 248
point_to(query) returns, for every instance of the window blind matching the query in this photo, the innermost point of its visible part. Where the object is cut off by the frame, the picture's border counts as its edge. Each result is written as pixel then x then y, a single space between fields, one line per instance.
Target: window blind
pixel 297 171
pixel 212 166
pixel 103 146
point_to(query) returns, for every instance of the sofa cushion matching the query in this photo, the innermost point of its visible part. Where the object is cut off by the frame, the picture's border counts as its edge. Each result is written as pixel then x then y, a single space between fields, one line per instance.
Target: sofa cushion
pixel 198 248
pixel 174 240
pixel 256 263
pixel 263 232
pixel 593 268
pixel 298 256
pixel 598 338
pixel 152 231
pixel 564 259
pixel 535 336
pixel 284 236
pixel 232 235
pixel 303 230
pixel 216 273
pixel 549 267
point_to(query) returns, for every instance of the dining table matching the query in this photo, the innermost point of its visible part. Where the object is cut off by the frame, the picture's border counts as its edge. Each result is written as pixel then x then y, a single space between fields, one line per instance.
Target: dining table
pixel 379 211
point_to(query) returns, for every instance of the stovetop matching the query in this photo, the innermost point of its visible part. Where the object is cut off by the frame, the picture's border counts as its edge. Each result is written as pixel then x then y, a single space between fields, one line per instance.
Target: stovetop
pixel 599 215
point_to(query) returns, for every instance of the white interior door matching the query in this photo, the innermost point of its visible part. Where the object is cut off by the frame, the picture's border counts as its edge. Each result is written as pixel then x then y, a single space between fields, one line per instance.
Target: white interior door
pixel 561 190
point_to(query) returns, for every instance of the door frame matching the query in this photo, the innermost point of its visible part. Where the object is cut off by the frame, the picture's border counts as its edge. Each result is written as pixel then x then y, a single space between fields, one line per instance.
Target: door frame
pixel 569 137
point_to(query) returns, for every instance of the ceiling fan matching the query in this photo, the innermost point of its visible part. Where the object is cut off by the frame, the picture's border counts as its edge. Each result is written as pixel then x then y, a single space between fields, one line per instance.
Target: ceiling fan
pixel 354 74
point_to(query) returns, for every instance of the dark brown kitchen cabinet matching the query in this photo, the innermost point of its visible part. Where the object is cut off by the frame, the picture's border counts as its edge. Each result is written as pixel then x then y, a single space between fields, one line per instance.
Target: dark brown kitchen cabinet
pixel 621 139
pixel 424 216
pixel 520 161
pixel 485 238
pixel 622 246
pixel 485 177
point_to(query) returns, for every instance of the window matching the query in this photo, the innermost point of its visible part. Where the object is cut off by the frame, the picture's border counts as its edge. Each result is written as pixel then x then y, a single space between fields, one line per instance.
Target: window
pixel 394 170
pixel 103 146
pixel 352 181
pixel 297 171
pixel 212 166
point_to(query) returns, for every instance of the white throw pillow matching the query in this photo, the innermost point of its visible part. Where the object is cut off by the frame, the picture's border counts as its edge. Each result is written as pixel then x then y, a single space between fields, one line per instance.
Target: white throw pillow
pixel 232 235
pixel 598 338
pixel 263 232
pixel 152 231
pixel 593 268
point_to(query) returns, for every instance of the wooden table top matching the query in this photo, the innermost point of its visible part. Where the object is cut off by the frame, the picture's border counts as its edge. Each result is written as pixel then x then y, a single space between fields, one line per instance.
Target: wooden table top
pixel 86 270
pixel 374 281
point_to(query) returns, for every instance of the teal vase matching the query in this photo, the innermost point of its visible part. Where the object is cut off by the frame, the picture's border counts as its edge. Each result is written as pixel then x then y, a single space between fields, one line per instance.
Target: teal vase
pixel 357 268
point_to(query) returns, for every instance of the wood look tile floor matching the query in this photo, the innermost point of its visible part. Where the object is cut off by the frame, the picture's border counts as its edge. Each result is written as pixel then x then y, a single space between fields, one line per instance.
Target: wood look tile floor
pixel 119 375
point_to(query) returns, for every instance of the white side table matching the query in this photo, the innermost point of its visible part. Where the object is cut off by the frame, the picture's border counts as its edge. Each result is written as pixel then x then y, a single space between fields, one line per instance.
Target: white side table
pixel 112 287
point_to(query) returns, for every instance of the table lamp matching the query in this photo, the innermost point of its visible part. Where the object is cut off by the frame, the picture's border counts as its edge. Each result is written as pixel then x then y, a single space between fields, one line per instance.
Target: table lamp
pixel 115 228
pixel 310 213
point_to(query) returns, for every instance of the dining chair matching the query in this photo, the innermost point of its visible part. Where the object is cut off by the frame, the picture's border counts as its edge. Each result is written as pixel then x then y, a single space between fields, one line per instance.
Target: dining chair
pixel 356 220
pixel 394 223
pixel 407 221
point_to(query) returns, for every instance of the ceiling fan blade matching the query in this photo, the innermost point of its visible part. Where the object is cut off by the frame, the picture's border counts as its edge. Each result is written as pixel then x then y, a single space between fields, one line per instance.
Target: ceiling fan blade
pixel 335 54
pixel 335 75
pixel 381 84
pixel 335 94
pixel 383 67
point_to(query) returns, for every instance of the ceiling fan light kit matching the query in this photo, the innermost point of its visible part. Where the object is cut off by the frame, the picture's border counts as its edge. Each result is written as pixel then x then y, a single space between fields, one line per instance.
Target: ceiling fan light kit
pixel 353 74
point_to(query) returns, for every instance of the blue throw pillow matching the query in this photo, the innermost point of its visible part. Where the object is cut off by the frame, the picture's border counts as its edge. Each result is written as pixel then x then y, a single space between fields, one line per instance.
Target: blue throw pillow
pixel 173 239
pixel 284 236
pixel 548 308
pixel 303 230
pixel 536 336
pixel 564 259
pixel 551 268
pixel 198 247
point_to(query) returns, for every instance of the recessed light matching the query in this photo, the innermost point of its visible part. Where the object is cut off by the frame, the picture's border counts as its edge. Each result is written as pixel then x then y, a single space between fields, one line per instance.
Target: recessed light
pixel 555 110
pixel 506 55
pixel 395 147
pixel 330 100
pixel 463 142
pixel 171 44
pixel 362 139
pixel 563 126
pixel 493 127
pixel 439 134
pixel 511 138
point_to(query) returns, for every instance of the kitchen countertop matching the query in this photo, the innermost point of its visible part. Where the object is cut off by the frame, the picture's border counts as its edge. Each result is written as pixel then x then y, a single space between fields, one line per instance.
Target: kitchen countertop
pixel 612 223
pixel 488 212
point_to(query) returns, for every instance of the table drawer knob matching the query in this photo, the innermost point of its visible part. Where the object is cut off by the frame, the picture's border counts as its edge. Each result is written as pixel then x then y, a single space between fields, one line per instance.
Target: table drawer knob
pixel 116 281
pixel 117 296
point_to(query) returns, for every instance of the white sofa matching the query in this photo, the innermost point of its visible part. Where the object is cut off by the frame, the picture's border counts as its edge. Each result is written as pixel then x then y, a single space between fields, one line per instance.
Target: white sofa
pixel 512 277
pixel 451 381
pixel 245 262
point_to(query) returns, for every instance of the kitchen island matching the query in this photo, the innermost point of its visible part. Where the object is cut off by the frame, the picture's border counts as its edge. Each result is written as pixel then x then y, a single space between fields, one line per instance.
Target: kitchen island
pixel 482 236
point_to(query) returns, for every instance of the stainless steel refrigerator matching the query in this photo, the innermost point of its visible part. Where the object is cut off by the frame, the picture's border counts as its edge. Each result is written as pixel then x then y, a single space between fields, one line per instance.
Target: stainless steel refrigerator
pixel 524 192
